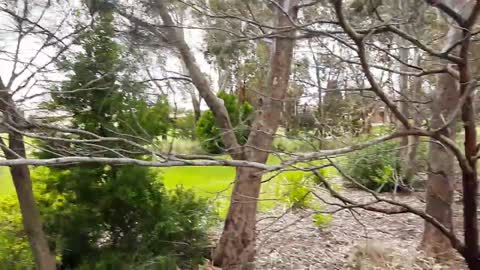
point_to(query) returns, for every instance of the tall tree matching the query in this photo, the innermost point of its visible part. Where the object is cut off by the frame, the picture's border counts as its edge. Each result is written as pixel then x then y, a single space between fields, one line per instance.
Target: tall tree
pixel 124 208
pixel 441 178
pixel 236 248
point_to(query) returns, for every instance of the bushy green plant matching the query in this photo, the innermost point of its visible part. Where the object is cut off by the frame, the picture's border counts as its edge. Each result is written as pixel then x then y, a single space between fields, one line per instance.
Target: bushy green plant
pixel 321 220
pixel 294 190
pixel 184 126
pixel 210 134
pixel 375 167
pixel 115 217
pixel 122 219
pixel 14 248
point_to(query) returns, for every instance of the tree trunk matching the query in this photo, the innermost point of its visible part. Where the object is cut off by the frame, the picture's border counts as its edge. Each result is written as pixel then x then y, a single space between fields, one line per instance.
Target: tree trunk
pixel 236 249
pixel 415 89
pixel 32 224
pixel 44 259
pixel 441 182
pixel 441 178
pixel 404 97
pixel 238 239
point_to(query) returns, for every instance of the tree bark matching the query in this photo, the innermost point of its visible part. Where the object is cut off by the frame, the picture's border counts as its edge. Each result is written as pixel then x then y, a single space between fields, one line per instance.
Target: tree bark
pixel 44 259
pixel 469 177
pixel 236 249
pixel 32 224
pixel 415 89
pixel 440 183
pixel 403 106
pixel 441 178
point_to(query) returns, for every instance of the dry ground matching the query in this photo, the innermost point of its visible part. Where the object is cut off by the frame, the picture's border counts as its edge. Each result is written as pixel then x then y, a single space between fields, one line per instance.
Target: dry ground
pixel 361 240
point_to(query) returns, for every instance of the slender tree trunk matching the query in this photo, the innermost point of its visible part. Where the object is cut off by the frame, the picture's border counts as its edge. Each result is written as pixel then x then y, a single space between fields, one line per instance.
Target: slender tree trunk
pixel 415 89
pixel 32 224
pixel 441 178
pixel 44 259
pixel 469 177
pixel 440 183
pixel 236 249
pixel 403 106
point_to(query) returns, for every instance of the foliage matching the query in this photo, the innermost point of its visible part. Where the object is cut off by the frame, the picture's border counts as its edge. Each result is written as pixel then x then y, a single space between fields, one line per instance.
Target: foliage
pixel 101 94
pixel 118 216
pixel 15 252
pixel 322 221
pixel 184 127
pixel 210 134
pixel 375 167
pixel 294 190
pixel 115 217
pixel 294 145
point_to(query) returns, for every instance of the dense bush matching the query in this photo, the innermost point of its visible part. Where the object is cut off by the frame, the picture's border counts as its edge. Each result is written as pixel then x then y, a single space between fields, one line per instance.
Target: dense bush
pixel 210 134
pixel 14 249
pixel 294 190
pixel 375 167
pixel 184 126
pixel 321 220
pixel 284 144
pixel 117 217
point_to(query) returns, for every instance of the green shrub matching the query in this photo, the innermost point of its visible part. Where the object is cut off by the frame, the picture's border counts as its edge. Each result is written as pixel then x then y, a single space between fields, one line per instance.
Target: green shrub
pixel 322 221
pixel 210 134
pixel 14 248
pixel 375 167
pixel 294 190
pixel 117 217
pixel 293 145
pixel 184 127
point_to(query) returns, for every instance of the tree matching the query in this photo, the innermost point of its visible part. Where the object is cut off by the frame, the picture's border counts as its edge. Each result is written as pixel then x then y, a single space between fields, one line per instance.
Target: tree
pixel 25 70
pixel 441 179
pixel 237 244
pixel 114 216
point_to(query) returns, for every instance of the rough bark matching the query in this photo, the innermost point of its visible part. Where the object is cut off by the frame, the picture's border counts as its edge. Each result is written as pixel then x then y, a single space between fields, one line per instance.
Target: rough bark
pixel 236 249
pixel 32 224
pixel 441 178
pixel 441 181
pixel 44 259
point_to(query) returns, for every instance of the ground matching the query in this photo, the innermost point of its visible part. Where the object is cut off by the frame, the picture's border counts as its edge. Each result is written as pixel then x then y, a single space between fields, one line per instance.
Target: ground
pixel 292 241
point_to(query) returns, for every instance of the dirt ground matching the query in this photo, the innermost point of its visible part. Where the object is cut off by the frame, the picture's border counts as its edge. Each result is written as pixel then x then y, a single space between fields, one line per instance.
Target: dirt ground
pixel 359 240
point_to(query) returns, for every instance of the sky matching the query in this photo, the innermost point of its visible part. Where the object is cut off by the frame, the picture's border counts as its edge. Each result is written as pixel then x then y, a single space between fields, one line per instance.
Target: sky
pixel 51 19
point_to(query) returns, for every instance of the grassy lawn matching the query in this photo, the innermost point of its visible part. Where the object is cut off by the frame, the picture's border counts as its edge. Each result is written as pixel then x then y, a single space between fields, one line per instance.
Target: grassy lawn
pixel 215 183
pixel 6 184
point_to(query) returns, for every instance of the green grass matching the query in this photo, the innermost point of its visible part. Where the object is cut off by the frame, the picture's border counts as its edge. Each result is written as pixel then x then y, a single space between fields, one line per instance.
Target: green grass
pixel 214 183
pixel 6 184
